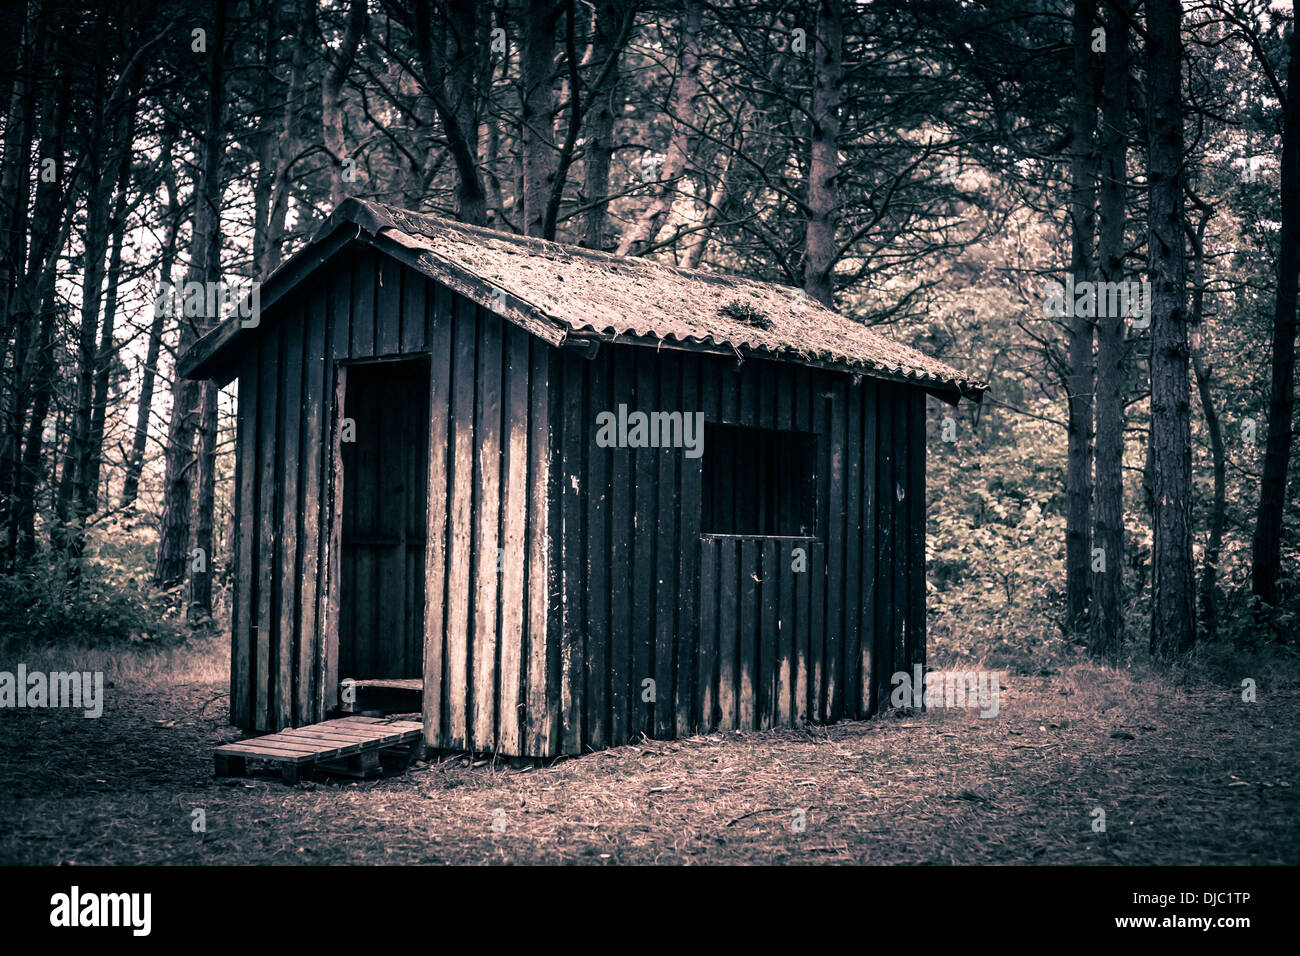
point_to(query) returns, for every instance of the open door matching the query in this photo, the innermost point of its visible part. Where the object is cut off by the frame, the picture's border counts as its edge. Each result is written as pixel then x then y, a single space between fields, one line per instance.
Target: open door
pixel 384 442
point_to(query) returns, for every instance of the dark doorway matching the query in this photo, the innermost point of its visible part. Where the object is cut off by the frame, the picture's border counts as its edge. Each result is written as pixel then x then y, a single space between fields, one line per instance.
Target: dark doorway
pixel 385 467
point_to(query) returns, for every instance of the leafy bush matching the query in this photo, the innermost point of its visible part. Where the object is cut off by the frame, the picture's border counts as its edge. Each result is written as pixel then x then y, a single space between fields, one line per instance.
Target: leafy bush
pixel 111 601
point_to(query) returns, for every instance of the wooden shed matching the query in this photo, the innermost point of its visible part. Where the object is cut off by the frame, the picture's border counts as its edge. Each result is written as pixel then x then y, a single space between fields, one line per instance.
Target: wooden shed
pixel 443 476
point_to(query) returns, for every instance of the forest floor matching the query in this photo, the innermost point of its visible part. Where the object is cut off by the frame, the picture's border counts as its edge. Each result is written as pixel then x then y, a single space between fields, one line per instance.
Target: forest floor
pixel 1185 770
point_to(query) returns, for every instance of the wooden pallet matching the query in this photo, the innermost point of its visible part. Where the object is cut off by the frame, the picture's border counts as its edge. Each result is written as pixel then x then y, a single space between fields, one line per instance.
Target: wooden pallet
pixel 349 746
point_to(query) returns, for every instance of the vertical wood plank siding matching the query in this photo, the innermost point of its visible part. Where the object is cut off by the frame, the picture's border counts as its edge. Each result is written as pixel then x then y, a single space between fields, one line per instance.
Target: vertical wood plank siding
pixel 672 632
pixel 569 599
pixel 483 596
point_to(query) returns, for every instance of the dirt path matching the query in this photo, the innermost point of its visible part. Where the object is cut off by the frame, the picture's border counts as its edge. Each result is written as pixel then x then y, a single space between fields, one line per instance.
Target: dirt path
pixel 1184 775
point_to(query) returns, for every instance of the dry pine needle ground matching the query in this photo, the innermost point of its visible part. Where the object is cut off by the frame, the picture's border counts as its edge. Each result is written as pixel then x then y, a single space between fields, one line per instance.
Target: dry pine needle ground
pixel 1185 771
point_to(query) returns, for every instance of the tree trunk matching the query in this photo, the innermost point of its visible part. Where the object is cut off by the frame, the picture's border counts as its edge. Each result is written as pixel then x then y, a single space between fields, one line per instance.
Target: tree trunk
pixel 451 88
pixel 45 233
pixel 1080 379
pixel 19 131
pixel 642 234
pixel 1266 548
pixel 824 163
pixel 207 238
pixel 693 254
pixel 331 112
pixel 605 17
pixel 149 373
pixel 1106 619
pixel 287 146
pixel 1173 612
pixel 24 543
pixel 174 532
pixel 1208 599
pixel 107 353
pixel 536 70
pixel 70 514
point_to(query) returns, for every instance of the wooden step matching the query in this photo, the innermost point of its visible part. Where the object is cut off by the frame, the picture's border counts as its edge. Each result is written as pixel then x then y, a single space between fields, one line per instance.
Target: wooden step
pixel 348 745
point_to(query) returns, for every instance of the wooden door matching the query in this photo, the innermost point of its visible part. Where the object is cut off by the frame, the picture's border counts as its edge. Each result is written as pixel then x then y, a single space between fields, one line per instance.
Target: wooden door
pixel 385 461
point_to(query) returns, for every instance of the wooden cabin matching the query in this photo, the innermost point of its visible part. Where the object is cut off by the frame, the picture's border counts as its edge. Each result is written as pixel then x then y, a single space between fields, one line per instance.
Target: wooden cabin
pixel 424 491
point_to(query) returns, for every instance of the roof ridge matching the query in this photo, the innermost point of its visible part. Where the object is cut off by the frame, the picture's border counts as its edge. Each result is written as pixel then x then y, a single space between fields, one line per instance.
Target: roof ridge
pixel 631 262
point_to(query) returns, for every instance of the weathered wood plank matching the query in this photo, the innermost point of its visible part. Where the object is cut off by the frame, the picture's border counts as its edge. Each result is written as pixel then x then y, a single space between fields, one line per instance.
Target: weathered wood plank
pixel 747 692
pixel 340 312
pixel 334 540
pixel 315 440
pixel 835 547
pixel 707 664
pixel 667 548
pixel 622 531
pixel 885 499
pixel 364 270
pixel 290 514
pixel 417 294
pixel 487 441
pixel 853 452
pixel 573 445
pixel 643 593
pixel 596 559
pixel 785 651
pixel 388 306
pixel 267 530
pixel 688 577
pixel 817 627
pixel 729 566
pixel 438 321
pixel 867 572
pixel 900 508
pixel 542 701
pixel 514 517
pixel 803 627
pixel 768 663
pixel 917 432
pixel 460 504
pixel 244 611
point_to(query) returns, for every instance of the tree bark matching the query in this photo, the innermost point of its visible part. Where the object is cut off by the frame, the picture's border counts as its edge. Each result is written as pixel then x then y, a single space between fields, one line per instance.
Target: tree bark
pixel 157 325
pixel 1208 588
pixel 174 532
pixel 1266 546
pixel 824 163
pixel 72 493
pixel 331 110
pixel 536 71
pixel 1080 379
pixel 450 86
pixel 23 314
pixel 107 354
pixel 605 17
pixel 287 145
pixel 1106 620
pixel 642 234
pixel 1173 612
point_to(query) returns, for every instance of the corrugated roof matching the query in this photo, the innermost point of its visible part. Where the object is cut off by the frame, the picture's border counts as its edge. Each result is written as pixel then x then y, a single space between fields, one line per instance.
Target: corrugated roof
pixel 596 294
